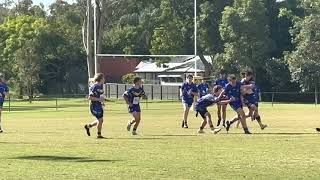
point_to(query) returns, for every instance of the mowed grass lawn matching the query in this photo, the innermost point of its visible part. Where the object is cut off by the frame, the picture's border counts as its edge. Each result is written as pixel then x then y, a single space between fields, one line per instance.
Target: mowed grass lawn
pixel 42 143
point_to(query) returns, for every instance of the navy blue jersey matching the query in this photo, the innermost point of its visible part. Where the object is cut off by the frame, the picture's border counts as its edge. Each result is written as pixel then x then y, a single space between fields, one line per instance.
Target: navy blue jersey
pixel 134 95
pixel 3 89
pixel 187 90
pixel 96 90
pixel 234 91
pixel 203 89
pixel 206 101
pixel 248 82
pixel 222 82
pixel 257 91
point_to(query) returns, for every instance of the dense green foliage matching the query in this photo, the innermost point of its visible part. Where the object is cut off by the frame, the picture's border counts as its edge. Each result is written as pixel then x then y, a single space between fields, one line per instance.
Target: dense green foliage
pixel 278 40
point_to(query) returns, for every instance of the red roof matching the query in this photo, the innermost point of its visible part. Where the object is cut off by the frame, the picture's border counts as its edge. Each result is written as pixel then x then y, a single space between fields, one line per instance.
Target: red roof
pixel 115 67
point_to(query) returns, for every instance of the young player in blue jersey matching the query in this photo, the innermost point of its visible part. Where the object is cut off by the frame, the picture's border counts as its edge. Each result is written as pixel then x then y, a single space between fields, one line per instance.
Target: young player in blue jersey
pixel 222 109
pixel 4 91
pixel 233 90
pixel 251 98
pixel 97 98
pixel 203 88
pixel 132 97
pixel 209 100
pixel 188 91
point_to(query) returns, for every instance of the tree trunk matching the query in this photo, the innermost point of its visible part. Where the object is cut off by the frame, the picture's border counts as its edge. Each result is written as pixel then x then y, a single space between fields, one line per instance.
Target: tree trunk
pixel 101 19
pixel 208 69
pixel 88 36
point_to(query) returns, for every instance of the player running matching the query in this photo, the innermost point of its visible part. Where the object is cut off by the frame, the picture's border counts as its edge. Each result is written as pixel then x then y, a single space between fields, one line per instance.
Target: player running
pixel 97 99
pixel 132 97
pixel 222 81
pixel 209 100
pixel 251 98
pixel 188 91
pixel 233 90
pixel 4 91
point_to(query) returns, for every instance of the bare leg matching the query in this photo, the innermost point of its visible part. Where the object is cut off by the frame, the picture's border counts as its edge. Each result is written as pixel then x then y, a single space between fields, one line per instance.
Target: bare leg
pixel 224 113
pixel 137 117
pixel 99 127
pixel 242 117
pixel 186 113
pixel 219 114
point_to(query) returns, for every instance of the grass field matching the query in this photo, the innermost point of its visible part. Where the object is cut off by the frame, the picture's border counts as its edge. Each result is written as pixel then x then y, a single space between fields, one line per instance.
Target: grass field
pixel 42 143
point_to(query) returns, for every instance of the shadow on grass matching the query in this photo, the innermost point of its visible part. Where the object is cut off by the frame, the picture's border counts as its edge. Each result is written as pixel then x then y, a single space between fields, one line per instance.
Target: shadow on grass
pixel 275 133
pixel 19 143
pixel 174 135
pixel 137 138
pixel 63 158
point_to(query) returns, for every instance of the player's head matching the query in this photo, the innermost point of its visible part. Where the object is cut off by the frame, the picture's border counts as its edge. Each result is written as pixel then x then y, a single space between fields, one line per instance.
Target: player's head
pixel 137 81
pixel 222 74
pixel 2 77
pixel 248 74
pixel 99 78
pixel 232 79
pixel 189 78
pixel 217 89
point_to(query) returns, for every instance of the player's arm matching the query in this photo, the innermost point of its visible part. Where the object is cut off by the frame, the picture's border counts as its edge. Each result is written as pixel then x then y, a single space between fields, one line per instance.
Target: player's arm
pixel 126 98
pixel 144 95
pixel 92 98
pixel 225 102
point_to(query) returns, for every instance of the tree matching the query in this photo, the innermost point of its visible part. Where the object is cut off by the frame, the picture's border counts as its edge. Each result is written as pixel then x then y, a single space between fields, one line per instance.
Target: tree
pixel 20 41
pixel 245 31
pixel 304 62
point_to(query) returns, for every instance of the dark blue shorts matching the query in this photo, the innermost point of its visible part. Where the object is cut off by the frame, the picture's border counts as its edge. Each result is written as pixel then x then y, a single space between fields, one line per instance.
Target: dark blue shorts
pixel 202 112
pixel 187 103
pixel 134 108
pixel 97 112
pixel 236 105
pixel 251 99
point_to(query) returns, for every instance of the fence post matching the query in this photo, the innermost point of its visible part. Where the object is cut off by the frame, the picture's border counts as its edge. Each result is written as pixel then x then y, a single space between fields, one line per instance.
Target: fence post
pixel 9 103
pixel 117 91
pixel 272 98
pixel 56 104
pixel 161 92
pixel 151 91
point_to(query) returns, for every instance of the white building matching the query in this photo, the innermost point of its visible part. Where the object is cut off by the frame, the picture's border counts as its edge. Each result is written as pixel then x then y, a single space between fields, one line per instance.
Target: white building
pixel 172 73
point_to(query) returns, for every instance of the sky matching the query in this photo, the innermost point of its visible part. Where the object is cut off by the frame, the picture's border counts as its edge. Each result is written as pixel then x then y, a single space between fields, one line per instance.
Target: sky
pixel 48 2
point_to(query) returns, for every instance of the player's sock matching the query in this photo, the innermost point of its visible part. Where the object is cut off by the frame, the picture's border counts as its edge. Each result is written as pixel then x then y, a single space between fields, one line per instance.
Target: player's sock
pixel 228 124
pixel 87 128
pixel 200 130
pixel 212 127
pixel 182 124
pixel 134 131
pixel 318 129
pixel 219 121
pixel 246 131
pixel 185 125
pixel 99 136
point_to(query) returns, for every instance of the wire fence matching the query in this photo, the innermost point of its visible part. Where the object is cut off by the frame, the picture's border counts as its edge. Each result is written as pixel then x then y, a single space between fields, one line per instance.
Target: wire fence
pixel 155 93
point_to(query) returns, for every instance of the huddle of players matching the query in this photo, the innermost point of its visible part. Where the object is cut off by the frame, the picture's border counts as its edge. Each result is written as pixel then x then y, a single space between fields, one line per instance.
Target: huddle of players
pixel 225 91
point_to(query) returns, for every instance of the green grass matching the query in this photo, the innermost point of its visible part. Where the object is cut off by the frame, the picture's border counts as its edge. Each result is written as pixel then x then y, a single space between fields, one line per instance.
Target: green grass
pixel 41 143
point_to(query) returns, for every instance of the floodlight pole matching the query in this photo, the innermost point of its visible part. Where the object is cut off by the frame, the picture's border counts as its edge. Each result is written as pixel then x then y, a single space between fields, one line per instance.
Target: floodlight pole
pixel 195 37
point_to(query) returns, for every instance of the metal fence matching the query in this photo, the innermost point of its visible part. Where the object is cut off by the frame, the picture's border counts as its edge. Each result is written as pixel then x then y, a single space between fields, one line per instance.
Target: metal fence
pixel 159 92
pixel 154 92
